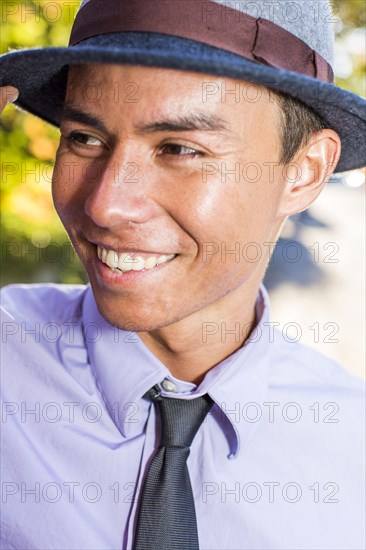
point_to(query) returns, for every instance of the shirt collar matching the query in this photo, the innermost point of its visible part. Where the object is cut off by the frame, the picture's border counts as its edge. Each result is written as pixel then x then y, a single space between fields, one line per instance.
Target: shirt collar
pixel 125 369
pixel 239 384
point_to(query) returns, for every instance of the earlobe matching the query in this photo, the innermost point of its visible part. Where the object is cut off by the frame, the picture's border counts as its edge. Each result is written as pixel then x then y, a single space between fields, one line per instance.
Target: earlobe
pixel 310 172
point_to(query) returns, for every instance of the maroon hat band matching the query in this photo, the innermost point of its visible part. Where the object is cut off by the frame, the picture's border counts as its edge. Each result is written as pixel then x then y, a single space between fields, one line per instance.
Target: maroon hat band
pixel 207 22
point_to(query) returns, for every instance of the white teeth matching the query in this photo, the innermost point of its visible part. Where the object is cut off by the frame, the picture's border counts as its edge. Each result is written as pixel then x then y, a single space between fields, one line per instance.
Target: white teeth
pixel 161 260
pixel 128 261
pixel 139 264
pixel 125 262
pixel 111 259
pixel 150 262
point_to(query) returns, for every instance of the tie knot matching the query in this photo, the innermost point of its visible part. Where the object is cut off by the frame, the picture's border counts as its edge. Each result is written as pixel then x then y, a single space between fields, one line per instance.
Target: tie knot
pixel 180 418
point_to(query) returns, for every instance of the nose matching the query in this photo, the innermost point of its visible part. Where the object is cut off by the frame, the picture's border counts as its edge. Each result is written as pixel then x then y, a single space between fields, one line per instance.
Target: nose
pixel 120 195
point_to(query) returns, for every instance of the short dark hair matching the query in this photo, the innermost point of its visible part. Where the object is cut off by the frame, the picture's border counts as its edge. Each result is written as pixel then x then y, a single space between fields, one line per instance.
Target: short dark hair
pixel 298 123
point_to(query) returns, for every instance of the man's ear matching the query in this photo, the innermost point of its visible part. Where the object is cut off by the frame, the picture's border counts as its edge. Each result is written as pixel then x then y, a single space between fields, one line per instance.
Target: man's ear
pixel 308 172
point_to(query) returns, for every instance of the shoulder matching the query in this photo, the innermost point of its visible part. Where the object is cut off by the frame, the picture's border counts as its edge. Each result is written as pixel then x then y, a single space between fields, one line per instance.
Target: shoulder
pixel 42 341
pixel 37 317
pixel 299 365
pixel 316 388
pixel 320 409
pixel 41 302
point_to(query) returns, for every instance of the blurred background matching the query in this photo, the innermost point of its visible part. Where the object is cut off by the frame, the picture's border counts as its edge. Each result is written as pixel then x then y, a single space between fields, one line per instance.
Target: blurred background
pixel 316 276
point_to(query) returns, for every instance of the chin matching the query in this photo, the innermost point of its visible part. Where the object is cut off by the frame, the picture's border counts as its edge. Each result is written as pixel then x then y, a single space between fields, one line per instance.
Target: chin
pixel 133 323
pixel 119 313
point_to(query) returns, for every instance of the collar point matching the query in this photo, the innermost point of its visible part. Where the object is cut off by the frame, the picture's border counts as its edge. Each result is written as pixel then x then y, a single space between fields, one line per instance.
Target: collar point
pixel 233 454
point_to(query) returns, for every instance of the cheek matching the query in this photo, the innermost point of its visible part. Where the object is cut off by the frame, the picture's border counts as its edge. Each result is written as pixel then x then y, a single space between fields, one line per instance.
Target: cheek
pixel 238 227
pixel 232 211
pixel 58 188
pixel 67 187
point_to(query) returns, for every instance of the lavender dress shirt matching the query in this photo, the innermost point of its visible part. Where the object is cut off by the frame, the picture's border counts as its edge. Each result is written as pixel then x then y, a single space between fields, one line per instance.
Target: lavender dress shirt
pixel 277 464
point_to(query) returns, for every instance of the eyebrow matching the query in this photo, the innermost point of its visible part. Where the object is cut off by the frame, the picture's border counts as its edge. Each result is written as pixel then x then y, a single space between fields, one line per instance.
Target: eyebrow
pixel 193 122
pixel 76 115
pixel 198 121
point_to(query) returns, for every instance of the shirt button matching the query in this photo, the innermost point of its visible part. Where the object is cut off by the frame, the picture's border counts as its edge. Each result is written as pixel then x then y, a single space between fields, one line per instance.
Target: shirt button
pixel 168 385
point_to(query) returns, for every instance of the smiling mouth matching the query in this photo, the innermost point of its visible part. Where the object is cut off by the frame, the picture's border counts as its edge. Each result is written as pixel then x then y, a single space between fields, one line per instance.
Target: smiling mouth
pixel 131 261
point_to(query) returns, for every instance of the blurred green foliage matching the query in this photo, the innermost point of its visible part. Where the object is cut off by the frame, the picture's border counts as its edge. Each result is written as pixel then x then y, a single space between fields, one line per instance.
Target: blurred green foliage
pixel 350 43
pixel 34 245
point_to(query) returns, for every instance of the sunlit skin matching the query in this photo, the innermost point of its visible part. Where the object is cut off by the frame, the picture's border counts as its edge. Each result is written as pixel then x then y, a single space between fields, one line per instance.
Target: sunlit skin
pixel 171 208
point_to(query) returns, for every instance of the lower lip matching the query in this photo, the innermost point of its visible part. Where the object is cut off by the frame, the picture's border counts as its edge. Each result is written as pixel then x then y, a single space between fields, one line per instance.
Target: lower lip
pixel 110 277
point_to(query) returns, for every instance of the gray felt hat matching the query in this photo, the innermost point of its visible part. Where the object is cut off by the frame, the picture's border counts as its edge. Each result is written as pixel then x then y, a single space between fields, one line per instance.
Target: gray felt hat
pixel 286 46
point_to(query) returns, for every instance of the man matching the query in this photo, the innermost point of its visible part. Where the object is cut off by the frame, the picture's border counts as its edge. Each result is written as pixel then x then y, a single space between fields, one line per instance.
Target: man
pixel 131 419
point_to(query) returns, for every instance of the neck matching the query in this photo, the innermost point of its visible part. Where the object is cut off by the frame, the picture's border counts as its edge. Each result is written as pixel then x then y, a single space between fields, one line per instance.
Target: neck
pixel 192 346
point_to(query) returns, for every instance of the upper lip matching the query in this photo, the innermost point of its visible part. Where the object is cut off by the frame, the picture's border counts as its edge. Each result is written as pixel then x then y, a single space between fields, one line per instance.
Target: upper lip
pixel 131 250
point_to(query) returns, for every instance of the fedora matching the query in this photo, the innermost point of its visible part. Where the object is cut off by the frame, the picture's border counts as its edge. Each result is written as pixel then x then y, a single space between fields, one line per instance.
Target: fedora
pixel 285 46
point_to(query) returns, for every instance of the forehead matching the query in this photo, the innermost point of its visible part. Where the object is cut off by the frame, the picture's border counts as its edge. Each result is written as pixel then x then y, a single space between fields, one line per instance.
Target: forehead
pixel 94 83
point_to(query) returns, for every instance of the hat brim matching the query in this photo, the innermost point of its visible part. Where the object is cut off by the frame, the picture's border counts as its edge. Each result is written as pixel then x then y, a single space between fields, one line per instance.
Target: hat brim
pixel 41 77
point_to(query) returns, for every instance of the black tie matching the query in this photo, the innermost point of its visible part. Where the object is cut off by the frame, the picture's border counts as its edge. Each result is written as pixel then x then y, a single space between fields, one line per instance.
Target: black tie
pixel 167 517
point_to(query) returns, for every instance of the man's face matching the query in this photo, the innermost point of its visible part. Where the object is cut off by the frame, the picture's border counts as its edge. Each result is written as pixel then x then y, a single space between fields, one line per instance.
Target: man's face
pixel 176 169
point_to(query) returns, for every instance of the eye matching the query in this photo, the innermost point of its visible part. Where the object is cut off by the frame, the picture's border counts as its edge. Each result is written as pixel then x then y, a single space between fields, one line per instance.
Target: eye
pixel 86 140
pixel 173 149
